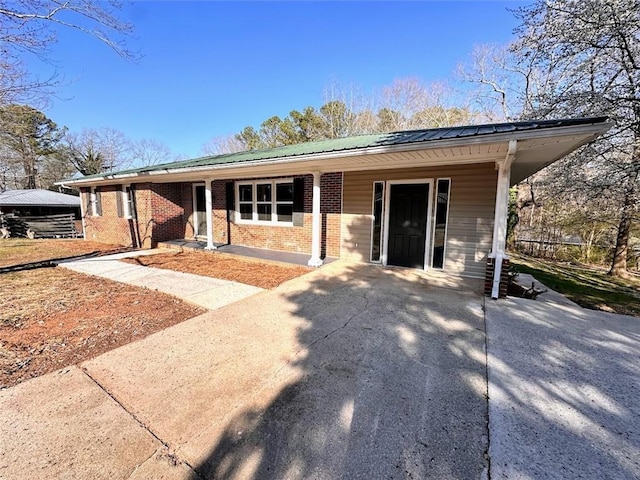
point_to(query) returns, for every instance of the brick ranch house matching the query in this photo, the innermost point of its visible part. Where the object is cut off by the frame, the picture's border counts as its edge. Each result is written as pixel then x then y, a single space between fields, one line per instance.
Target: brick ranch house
pixel 432 199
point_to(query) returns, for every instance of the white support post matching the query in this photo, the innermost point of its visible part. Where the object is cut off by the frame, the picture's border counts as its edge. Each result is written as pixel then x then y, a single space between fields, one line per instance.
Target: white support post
pixel 500 217
pixel 316 224
pixel 208 200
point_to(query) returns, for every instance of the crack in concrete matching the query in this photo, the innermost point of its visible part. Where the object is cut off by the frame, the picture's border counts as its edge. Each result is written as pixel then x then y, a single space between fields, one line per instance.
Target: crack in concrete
pixel 487 456
pixel 290 361
pixel 144 461
pixel 147 428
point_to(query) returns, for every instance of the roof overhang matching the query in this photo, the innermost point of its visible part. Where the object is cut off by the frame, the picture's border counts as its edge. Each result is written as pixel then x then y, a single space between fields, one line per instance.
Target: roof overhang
pixel 535 150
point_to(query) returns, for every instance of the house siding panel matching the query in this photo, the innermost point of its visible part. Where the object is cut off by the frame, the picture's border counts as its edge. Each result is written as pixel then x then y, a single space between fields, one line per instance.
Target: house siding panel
pixel 470 224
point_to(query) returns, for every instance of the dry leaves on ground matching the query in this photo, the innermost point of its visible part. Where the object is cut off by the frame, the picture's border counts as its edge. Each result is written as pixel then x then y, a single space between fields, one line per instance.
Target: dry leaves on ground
pixel 259 273
pixel 16 251
pixel 53 317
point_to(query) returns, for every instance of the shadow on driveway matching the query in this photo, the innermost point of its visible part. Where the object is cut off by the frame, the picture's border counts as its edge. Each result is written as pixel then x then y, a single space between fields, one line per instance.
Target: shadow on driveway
pixel 352 371
pixel 391 385
pixel 564 394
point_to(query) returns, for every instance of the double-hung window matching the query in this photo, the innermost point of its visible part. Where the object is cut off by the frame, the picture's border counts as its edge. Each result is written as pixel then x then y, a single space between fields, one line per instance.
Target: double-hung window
pixel 95 201
pixel 265 201
pixel 125 202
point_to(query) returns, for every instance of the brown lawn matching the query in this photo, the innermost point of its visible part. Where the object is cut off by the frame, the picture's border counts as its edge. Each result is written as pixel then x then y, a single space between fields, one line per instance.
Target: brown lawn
pixel 53 317
pixel 260 273
pixel 16 251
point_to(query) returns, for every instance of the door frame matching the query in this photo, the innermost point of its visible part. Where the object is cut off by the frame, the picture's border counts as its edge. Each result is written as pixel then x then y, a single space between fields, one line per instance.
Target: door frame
pixel 387 200
pixel 196 220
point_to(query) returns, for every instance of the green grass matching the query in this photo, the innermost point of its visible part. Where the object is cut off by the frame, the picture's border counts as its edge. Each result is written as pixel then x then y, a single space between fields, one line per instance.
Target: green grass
pixel 588 287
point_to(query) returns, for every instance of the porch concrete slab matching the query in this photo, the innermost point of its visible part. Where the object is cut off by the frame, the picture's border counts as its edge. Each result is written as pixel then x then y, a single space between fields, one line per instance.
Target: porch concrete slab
pixel 564 393
pixel 351 371
pixel 63 425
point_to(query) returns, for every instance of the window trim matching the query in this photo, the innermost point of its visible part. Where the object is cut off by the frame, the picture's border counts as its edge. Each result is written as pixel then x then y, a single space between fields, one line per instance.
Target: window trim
pixel 254 202
pixel 446 225
pixel 196 219
pixel 127 201
pixel 382 213
pixel 95 199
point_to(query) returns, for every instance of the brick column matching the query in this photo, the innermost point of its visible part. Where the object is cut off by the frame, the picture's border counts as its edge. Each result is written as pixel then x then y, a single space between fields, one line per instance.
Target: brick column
pixel 504 277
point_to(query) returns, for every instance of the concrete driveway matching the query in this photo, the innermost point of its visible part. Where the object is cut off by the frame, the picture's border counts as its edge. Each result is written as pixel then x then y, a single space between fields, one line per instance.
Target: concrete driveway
pixel 564 390
pixel 350 372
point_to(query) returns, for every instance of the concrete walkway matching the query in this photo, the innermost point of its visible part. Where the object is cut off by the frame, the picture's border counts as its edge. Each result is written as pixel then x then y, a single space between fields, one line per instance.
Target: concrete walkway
pixel 210 293
pixel 564 390
pixel 351 371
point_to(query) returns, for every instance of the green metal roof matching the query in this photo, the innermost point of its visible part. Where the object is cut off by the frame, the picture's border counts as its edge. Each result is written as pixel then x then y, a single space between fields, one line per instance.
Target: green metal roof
pixel 356 143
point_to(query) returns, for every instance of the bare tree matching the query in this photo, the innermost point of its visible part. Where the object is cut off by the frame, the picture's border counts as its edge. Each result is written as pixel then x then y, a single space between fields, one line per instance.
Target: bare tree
pixel 99 150
pixel 147 151
pixel 29 27
pixel 591 50
pixel 220 145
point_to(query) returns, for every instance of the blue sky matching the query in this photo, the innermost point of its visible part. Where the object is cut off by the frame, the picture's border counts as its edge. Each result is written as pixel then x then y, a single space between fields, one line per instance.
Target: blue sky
pixel 211 68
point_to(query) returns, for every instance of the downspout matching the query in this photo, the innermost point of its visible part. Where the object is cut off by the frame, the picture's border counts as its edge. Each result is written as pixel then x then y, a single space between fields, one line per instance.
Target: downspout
pixel 500 218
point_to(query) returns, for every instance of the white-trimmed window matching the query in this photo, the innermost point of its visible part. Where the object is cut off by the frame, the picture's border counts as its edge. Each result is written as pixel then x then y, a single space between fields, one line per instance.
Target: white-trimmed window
pixel 125 202
pixel 265 201
pixel 96 202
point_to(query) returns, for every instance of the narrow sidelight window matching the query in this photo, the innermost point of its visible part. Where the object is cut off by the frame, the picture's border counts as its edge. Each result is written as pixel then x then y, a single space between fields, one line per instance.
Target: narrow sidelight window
pixel 440 230
pixel 376 227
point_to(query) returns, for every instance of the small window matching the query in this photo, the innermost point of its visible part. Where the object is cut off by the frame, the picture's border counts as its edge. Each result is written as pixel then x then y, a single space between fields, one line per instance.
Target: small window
pixel 440 229
pixel 245 201
pixel 284 202
pixel 96 202
pixel 129 202
pixel 125 202
pixel 263 202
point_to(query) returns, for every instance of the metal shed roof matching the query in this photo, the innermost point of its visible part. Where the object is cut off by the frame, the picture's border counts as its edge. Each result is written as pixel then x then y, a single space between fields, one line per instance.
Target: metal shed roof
pixel 37 198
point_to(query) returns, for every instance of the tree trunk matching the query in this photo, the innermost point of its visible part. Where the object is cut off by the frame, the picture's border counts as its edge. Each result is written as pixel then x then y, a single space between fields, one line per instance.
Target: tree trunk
pixel 30 173
pixel 619 264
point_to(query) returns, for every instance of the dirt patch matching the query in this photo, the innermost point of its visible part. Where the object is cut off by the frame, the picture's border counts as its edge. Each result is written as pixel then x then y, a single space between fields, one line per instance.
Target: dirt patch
pixel 53 317
pixel 259 273
pixel 16 251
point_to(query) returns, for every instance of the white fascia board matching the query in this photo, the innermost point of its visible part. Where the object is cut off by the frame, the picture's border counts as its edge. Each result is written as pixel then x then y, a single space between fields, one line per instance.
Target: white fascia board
pixel 589 131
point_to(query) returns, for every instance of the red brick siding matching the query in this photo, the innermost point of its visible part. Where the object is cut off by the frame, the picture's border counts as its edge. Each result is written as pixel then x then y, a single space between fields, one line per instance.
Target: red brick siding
pixel 504 277
pixel 168 211
pixel 285 238
pixel 159 215
pixel 165 212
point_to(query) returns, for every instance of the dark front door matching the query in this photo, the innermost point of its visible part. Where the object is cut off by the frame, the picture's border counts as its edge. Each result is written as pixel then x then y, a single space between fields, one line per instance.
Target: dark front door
pixel 407 224
pixel 201 211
